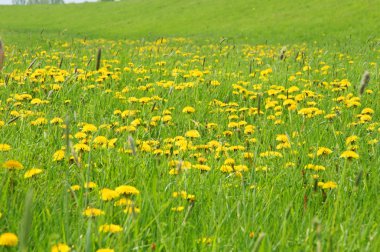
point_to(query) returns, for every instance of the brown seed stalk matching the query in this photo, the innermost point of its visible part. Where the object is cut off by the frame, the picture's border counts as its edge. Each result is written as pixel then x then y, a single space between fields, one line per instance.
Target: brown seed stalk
pixel 364 82
pixel 98 59
pixel 282 53
pixel 2 55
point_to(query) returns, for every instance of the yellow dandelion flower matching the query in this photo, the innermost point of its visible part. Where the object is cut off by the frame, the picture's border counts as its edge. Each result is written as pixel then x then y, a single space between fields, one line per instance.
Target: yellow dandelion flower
pixel 108 194
pixel 105 250
pixel 192 134
pixel 110 228
pixel 240 168
pixel 327 185
pixel 5 147
pixel 214 83
pixel 277 122
pixel 262 168
pixel 252 140
pixel 59 155
pixel 351 140
pixel 229 161
pixel 74 188
pixel 123 202
pixel 373 142
pixel 368 111
pixel 56 120
pixel 100 140
pixel 88 128
pixel 205 240
pixel 233 125
pixel 315 167
pixel 8 240
pixel 349 154
pixel 248 155
pixel 202 167
pixel 55 87
pixel 315 176
pixel 174 171
pixel 249 129
pixel 39 121
pixel 323 151
pixel 80 135
pixel 188 110
pixel 136 122
pixel 202 160
pixel 178 209
pixel 282 138
pixel 127 190
pixel 36 101
pixel 365 118
pixel 146 148
pixel 166 118
pixel 81 147
pixel 126 128
pixel 283 146
pixel 226 168
pixel 190 197
pixel 182 194
pixel 330 116
pixel 32 172
pixel 132 210
pixel 111 143
pixel 13 165
pixel 271 154
pixel 90 185
pixel 60 247
pixel 92 212
pixel 211 126
pixel 290 164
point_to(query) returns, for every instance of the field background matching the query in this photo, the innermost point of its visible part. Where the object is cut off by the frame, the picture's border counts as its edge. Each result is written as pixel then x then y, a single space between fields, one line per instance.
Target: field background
pixel 328 44
pixel 331 21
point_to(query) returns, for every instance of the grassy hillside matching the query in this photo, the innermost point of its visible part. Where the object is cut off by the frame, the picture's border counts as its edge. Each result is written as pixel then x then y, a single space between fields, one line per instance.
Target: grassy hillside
pixel 272 22
pixel 196 144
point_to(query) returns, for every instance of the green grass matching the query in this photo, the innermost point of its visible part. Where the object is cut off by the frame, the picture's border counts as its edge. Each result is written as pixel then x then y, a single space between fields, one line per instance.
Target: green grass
pixel 50 72
pixel 227 208
pixel 273 21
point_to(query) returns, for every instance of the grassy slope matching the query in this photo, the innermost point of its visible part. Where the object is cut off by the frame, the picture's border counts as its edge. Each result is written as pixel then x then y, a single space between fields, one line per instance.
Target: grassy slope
pixel 275 21
pixel 348 223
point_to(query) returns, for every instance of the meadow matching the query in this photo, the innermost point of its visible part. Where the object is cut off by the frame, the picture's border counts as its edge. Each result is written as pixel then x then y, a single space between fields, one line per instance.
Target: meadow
pixel 182 141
